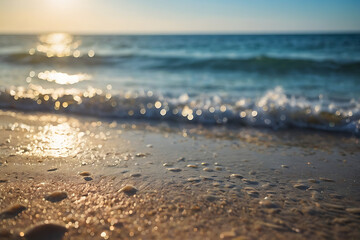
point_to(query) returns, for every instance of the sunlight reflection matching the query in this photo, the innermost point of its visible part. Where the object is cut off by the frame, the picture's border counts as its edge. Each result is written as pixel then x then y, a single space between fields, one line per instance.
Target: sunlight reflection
pixel 56 44
pixel 57 141
pixel 63 78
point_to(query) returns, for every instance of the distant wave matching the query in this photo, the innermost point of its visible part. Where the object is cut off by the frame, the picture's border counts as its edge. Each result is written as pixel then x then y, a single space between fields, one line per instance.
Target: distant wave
pixel 274 109
pixel 265 64
pixel 258 64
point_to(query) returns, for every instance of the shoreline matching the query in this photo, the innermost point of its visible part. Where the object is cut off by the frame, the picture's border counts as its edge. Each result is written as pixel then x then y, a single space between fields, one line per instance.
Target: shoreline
pixel 192 183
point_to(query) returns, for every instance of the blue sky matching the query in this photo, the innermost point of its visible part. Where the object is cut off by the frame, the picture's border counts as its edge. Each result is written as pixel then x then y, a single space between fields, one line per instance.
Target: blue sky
pixel 185 16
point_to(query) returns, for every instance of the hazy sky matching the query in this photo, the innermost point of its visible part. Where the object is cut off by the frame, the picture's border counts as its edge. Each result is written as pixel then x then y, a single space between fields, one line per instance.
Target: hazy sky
pixel 178 16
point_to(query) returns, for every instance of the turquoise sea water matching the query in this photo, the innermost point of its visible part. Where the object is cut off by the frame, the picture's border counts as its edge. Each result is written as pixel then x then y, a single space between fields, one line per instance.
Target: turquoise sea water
pixel 276 81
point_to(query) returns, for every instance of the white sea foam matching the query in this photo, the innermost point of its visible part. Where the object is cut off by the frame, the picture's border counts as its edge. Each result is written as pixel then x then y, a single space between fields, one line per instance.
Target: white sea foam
pixel 275 109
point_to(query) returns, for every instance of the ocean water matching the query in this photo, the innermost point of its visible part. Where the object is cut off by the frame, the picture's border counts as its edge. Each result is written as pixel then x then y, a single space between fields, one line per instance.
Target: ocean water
pixel 275 81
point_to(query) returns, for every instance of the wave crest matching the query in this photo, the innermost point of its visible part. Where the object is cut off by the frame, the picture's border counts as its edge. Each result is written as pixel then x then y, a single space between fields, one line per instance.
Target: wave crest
pixel 274 110
pixel 259 64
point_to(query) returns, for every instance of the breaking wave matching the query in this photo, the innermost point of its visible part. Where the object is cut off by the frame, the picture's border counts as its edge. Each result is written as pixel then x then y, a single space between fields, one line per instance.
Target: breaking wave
pixel 275 109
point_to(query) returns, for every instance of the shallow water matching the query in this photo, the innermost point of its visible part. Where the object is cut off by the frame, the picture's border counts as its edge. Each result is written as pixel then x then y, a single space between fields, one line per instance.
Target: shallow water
pixel 276 81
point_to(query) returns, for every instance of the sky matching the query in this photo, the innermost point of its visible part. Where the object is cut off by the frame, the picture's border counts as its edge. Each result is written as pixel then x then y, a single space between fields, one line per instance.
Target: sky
pixel 178 16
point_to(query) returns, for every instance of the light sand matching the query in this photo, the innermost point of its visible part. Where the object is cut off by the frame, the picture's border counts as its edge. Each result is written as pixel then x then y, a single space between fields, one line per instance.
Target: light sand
pixel 216 183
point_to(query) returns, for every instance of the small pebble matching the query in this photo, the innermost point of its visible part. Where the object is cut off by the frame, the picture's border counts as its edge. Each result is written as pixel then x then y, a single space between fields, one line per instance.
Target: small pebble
pixel 128 189
pixel 193 179
pixel 12 211
pixel 206 178
pixel 208 169
pixel 56 196
pixel 88 178
pixel 140 155
pixel 192 166
pixel 284 166
pixel 227 235
pixel 168 164
pixel 46 231
pixel 174 169
pixel 268 204
pixel 218 168
pixel 181 159
pixel 204 164
pixel 135 175
pixel 84 174
pixel 234 175
pixel 149 146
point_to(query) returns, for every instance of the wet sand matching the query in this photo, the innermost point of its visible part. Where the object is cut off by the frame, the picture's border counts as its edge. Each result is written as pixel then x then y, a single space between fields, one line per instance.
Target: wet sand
pixel 100 179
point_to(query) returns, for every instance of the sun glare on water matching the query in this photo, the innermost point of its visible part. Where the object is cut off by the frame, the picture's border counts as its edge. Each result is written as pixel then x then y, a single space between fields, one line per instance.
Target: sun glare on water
pixel 63 78
pixel 56 45
pixel 59 45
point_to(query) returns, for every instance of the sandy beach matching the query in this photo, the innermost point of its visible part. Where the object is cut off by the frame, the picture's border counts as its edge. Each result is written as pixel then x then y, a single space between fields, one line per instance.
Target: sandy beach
pixel 102 179
pixel 179 120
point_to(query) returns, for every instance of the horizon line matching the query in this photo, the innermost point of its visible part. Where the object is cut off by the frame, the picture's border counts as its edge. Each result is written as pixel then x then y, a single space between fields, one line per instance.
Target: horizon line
pixel 286 32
